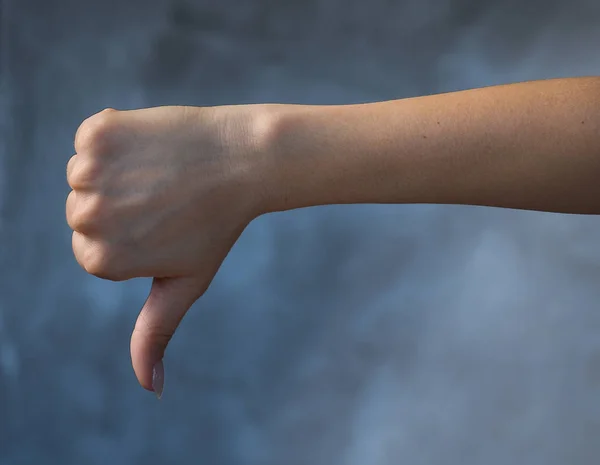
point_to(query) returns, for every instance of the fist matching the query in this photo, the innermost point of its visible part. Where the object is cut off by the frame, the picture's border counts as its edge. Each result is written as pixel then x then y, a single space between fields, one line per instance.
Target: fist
pixel 163 193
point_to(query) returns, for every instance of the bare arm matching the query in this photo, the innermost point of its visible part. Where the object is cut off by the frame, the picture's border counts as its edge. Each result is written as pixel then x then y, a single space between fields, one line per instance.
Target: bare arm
pixel 532 145
pixel 165 192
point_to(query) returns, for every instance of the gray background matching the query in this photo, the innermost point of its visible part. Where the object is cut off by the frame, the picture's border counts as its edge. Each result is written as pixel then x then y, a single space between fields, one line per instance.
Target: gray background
pixel 371 335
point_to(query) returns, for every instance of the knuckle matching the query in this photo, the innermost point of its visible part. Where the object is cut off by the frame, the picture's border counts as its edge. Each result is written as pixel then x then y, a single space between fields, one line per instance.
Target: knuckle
pixel 87 214
pixel 158 334
pixel 70 166
pixel 91 255
pixel 96 207
pixel 155 331
pixel 84 172
pixel 70 208
pixel 95 131
pixel 99 261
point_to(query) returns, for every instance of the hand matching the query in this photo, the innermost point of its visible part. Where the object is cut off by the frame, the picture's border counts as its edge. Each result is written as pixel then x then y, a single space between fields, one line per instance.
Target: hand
pixel 164 193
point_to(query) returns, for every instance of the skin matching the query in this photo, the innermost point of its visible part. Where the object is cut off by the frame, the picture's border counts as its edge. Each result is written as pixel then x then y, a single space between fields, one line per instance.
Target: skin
pixel 165 192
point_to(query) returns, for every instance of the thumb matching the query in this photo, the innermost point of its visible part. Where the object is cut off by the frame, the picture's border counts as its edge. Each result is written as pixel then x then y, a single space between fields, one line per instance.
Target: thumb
pixel 167 304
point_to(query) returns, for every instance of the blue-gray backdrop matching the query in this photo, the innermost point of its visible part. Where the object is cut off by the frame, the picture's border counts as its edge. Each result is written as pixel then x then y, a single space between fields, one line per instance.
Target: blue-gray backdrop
pixel 370 335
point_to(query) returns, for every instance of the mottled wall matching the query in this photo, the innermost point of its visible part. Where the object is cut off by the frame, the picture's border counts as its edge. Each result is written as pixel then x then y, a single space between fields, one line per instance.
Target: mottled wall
pixel 339 335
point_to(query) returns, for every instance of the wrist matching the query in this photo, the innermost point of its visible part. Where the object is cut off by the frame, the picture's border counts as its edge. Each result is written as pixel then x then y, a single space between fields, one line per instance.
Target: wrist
pixel 295 163
pixel 253 165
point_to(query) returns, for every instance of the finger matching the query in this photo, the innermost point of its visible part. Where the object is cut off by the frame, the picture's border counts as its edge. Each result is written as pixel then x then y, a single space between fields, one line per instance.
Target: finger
pixel 86 252
pixel 99 259
pixel 85 213
pixel 70 166
pixel 167 304
pixel 70 209
pixel 89 126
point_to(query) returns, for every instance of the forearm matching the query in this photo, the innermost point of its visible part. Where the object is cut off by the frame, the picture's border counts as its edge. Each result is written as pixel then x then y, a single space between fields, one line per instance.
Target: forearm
pixel 532 145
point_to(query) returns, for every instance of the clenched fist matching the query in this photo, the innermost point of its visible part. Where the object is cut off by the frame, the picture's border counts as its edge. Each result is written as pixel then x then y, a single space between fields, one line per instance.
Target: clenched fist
pixel 164 193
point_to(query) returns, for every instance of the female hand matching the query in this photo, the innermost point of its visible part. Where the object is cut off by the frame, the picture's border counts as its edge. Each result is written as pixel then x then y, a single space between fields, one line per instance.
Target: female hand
pixel 164 193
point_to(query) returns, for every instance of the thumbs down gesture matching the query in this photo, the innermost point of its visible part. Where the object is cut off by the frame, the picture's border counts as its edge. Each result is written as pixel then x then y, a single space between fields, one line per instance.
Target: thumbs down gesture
pixel 163 193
